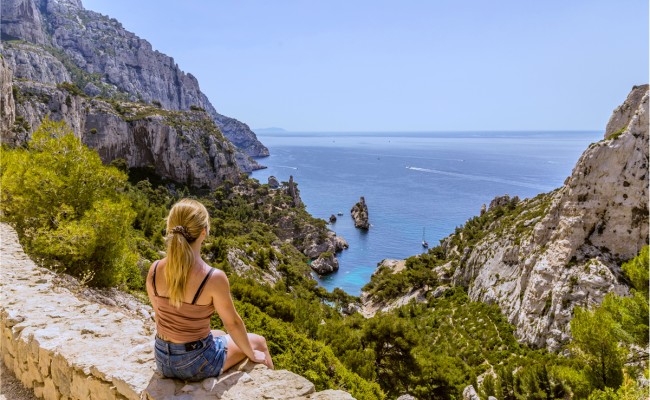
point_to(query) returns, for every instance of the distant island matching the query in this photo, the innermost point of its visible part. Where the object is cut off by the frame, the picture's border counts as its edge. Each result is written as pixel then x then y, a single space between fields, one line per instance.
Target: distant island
pixel 270 130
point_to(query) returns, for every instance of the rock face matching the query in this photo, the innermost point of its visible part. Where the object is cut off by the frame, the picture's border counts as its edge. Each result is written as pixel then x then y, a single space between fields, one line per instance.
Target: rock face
pixel 184 146
pixel 625 112
pixel 570 254
pixel 62 344
pixel 370 306
pixel 326 263
pixel 501 201
pixel 7 104
pixel 273 182
pixel 68 43
pixel 292 190
pixel 469 393
pixel 313 243
pixel 247 381
pixel 360 214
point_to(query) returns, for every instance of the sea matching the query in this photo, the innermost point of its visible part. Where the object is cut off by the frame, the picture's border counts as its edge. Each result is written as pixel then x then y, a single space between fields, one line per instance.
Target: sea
pixel 417 185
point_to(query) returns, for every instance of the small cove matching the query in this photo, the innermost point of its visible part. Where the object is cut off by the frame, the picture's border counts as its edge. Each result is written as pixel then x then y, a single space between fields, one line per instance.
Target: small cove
pixel 413 182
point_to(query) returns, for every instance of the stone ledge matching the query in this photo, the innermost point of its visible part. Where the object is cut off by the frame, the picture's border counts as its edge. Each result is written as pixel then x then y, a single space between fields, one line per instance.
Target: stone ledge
pixel 64 347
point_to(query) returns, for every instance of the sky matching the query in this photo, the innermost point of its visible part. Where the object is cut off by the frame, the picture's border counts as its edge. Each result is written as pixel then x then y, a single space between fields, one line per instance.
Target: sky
pixel 410 65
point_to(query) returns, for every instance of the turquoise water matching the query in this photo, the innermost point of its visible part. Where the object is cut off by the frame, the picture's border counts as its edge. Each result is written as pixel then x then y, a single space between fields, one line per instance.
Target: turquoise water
pixel 413 182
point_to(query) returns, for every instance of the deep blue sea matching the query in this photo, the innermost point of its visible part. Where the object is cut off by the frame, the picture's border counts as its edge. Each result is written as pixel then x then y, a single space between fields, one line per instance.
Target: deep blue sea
pixel 413 182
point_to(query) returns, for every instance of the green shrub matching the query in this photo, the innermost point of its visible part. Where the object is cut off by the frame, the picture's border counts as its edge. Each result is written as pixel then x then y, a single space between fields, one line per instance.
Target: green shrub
pixel 71 88
pixel 68 208
pixel 637 270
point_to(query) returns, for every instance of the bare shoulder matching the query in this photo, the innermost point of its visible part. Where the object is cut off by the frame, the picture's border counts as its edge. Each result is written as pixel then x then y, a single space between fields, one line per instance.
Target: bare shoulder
pixel 218 276
pixel 153 264
pixel 218 280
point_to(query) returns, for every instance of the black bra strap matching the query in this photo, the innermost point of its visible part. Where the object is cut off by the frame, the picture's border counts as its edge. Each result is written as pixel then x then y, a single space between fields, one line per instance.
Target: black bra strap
pixel 154 278
pixel 200 289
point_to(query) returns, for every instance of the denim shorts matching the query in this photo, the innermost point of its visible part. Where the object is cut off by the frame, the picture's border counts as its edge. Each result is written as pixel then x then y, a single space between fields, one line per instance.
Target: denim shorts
pixel 204 359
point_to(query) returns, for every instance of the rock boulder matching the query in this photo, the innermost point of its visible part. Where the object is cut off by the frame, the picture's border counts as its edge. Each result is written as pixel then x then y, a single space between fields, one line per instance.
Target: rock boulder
pixel 325 263
pixel 360 214
pixel 273 182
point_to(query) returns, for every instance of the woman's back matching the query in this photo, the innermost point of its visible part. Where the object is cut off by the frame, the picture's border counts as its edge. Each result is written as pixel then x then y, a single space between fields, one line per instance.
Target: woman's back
pixel 185 292
pixel 194 279
pixel 190 321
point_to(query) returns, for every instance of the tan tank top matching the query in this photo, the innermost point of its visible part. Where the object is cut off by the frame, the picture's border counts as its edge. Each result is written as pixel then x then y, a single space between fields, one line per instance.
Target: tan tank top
pixel 188 323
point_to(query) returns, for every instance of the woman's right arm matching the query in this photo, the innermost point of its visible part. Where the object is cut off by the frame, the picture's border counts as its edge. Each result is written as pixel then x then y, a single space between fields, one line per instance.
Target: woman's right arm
pixel 149 287
pixel 231 320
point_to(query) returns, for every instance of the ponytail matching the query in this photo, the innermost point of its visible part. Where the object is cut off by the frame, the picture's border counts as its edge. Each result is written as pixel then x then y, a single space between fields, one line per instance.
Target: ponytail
pixel 186 220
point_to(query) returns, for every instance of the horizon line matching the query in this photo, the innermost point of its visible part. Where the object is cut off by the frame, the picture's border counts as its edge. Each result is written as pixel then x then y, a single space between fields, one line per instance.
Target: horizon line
pixel 282 130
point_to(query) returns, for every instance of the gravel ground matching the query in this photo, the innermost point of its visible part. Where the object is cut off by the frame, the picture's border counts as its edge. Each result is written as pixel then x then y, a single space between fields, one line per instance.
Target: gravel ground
pixel 11 388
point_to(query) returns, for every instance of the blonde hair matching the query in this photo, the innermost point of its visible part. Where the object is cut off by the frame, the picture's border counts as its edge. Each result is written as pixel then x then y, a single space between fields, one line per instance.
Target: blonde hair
pixel 186 220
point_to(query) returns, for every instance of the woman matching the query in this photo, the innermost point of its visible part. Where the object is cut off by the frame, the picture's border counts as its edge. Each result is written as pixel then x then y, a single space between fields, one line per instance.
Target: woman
pixel 185 292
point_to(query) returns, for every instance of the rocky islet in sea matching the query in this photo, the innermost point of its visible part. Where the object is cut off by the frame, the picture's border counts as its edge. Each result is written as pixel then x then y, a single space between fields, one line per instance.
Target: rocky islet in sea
pixel 359 214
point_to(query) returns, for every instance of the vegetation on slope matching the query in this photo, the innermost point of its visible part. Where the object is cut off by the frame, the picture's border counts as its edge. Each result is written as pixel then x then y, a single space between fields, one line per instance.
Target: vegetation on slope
pixel 106 224
pixel 610 347
pixel 72 213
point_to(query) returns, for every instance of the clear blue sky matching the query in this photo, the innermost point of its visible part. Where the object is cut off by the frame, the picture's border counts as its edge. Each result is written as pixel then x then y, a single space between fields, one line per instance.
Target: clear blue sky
pixel 375 65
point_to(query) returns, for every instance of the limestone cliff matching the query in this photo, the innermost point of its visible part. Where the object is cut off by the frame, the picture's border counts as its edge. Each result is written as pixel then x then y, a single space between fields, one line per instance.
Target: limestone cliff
pixel 53 41
pixel 7 101
pixel 538 258
pixel 572 255
pixel 184 146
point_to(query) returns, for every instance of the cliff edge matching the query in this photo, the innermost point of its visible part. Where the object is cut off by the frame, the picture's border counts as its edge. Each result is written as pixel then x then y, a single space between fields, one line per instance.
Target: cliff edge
pixel 572 255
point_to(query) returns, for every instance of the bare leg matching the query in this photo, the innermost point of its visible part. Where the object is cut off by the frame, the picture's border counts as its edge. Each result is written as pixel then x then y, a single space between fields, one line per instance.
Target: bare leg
pixel 235 355
pixel 217 332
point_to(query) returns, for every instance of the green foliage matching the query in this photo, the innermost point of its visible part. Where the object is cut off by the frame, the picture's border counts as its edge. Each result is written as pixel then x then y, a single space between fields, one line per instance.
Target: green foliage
pixel 638 272
pixel 71 88
pixel 21 125
pixel 616 134
pixel 418 273
pixel 391 340
pixel 596 343
pixel 67 207
pixel 630 315
pixel 309 358
pixel 603 336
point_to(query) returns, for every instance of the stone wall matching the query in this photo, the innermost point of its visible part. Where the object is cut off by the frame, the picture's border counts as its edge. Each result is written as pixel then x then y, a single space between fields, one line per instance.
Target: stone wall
pixel 65 341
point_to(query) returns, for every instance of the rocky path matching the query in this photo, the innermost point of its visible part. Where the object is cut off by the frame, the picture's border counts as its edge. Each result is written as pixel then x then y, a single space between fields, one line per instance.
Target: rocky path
pixel 11 388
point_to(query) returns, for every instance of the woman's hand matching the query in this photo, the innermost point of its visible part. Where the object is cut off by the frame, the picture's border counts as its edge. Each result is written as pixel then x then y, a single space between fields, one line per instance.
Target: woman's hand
pixel 259 357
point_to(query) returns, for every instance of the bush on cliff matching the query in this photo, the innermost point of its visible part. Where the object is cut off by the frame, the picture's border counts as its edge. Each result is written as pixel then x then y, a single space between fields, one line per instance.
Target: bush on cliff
pixel 68 209
pixel 615 331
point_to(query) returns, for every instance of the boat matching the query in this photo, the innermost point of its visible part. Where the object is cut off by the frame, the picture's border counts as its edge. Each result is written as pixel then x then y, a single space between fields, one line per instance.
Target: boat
pixel 339 213
pixel 425 244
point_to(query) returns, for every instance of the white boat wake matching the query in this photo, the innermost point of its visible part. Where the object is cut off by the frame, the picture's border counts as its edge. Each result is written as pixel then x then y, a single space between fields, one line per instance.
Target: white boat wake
pixel 483 178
